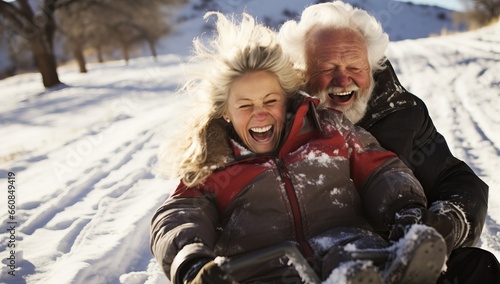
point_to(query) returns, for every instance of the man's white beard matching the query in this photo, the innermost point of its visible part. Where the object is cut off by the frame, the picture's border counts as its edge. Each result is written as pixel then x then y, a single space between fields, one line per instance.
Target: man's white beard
pixel 356 111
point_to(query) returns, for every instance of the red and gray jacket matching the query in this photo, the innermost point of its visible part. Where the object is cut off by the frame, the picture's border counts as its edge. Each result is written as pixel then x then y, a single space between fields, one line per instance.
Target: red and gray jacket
pixel 326 173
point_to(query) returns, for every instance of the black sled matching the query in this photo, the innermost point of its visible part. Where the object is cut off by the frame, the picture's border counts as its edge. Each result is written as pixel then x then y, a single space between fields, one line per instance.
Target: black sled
pixel 417 258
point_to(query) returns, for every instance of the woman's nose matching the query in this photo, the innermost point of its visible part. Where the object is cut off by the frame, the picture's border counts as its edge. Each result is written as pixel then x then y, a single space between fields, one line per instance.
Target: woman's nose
pixel 260 113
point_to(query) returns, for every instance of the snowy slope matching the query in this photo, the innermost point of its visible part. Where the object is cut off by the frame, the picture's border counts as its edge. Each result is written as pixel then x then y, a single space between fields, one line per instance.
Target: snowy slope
pixel 400 20
pixel 83 155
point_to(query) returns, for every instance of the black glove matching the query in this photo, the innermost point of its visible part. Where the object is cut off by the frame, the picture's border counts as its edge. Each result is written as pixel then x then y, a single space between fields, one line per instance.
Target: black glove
pixel 449 223
pixel 206 271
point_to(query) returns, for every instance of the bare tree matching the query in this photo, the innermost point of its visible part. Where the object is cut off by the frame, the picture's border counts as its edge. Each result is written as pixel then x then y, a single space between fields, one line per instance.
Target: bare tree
pixel 114 24
pixel 37 25
pixel 151 25
pixel 481 12
pixel 38 28
pixel 72 19
pixel 16 49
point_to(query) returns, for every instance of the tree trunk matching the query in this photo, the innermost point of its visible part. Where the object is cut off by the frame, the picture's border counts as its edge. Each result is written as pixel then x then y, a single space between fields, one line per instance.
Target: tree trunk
pixel 40 35
pixel 152 47
pixel 100 58
pixel 80 58
pixel 45 60
pixel 125 53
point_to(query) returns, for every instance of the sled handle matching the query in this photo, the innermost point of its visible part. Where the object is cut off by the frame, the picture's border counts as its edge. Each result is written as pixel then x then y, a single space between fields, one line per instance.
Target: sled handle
pixel 261 256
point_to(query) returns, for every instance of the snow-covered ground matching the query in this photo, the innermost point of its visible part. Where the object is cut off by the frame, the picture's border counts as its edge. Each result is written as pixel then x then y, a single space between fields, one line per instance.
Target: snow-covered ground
pixel 83 155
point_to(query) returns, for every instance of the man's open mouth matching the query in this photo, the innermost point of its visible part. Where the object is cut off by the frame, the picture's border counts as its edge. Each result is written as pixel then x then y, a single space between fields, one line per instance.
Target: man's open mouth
pixel 261 134
pixel 342 97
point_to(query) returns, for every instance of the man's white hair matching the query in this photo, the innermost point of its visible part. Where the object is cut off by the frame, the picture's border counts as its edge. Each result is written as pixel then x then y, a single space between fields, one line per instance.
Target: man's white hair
pixel 334 15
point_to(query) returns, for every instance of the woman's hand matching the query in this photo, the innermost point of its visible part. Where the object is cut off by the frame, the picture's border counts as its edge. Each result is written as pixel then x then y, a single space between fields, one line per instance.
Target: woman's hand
pixel 207 273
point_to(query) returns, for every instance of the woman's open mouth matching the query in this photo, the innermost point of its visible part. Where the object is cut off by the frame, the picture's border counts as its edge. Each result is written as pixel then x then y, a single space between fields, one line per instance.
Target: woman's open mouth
pixel 262 134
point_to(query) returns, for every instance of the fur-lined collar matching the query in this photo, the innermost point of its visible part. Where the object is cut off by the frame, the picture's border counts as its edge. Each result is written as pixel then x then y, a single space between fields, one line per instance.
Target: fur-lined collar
pixel 219 150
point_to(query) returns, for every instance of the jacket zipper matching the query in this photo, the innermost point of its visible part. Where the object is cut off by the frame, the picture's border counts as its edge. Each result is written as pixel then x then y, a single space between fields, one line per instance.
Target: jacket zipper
pixel 292 197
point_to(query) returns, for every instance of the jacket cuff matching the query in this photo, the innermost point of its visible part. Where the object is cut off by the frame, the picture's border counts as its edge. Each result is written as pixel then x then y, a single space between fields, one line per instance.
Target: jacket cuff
pixel 185 255
pixel 461 227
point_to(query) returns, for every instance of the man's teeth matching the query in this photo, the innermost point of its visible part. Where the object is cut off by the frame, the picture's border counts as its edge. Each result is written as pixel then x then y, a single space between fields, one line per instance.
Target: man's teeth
pixel 261 129
pixel 342 93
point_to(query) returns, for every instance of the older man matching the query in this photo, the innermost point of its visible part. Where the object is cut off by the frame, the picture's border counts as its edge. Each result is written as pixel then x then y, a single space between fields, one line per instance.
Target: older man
pixel 341 51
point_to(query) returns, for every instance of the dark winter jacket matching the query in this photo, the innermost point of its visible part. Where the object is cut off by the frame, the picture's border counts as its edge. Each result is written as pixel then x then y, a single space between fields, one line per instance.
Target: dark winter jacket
pixel 325 175
pixel 401 123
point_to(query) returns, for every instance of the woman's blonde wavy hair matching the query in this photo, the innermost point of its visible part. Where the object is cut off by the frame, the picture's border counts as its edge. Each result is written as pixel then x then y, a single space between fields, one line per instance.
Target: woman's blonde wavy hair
pixel 234 50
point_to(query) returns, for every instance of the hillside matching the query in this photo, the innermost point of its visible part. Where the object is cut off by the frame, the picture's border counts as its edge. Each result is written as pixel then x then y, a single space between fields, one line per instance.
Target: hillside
pixel 401 21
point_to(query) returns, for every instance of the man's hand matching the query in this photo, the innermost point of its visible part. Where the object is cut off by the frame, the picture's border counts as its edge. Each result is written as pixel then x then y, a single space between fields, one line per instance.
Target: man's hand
pixel 452 229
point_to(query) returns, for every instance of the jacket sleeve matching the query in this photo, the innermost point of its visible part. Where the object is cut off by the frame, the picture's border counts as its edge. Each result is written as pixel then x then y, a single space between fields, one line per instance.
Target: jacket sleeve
pixel 386 185
pixel 183 229
pixel 412 135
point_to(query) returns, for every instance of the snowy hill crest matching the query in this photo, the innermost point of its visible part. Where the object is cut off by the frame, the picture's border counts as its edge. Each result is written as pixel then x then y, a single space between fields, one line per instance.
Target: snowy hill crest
pixel 401 20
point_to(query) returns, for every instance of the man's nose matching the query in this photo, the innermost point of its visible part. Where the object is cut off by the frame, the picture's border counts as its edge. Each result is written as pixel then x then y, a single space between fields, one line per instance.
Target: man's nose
pixel 340 79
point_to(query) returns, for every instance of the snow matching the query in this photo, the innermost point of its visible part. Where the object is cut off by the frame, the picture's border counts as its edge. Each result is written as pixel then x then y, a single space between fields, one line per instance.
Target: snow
pixel 83 155
pixel 339 274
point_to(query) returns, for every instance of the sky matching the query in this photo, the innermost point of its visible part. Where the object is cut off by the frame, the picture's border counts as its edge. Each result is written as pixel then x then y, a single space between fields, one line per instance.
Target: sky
pixel 449 4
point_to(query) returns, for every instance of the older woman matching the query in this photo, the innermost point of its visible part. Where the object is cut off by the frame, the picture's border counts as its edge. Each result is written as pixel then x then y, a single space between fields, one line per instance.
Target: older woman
pixel 259 166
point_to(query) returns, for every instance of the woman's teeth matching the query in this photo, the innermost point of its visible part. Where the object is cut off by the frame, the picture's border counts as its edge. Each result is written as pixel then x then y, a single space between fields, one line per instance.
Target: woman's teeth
pixel 261 129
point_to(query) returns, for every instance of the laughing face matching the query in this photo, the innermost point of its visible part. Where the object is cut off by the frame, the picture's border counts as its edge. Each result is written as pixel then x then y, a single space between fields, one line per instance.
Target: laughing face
pixel 256 109
pixel 339 71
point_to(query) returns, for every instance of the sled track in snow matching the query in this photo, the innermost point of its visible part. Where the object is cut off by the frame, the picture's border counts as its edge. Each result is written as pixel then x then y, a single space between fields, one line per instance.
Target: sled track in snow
pixel 76 191
pixel 491 235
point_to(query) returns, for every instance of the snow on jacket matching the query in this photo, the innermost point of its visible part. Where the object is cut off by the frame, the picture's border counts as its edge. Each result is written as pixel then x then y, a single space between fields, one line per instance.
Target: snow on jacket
pixel 401 123
pixel 326 174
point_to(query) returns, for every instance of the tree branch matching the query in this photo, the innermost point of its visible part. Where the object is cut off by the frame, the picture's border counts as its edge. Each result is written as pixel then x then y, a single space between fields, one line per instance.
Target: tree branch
pixel 5 7
pixel 11 12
